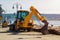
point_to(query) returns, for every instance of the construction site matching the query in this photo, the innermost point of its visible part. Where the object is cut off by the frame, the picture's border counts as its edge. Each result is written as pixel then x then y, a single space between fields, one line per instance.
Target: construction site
pixel 22 25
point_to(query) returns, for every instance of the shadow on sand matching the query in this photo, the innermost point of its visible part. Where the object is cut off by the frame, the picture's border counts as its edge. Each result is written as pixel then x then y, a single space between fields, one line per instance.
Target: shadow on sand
pixel 30 38
pixel 15 33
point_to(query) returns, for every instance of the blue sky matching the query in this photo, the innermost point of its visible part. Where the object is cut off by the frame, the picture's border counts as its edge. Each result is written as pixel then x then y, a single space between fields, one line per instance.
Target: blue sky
pixel 43 6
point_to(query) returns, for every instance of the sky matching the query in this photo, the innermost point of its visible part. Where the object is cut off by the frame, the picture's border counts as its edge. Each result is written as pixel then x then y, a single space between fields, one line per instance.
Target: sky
pixel 43 6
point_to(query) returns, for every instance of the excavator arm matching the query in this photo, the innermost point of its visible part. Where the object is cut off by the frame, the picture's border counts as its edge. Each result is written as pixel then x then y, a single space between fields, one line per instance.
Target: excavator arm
pixel 44 29
pixel 37 14
pixel 33 11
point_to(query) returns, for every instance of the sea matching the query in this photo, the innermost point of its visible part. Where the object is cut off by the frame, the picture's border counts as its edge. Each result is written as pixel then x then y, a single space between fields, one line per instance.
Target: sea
pixel 53 19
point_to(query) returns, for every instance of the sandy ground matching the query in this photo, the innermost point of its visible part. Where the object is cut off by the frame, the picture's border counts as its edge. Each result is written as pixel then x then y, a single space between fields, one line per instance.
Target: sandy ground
pixel 4 35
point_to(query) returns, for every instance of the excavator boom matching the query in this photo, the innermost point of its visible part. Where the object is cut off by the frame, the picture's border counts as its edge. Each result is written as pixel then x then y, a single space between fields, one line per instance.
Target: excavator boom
pixel 33 11
pixel 44 29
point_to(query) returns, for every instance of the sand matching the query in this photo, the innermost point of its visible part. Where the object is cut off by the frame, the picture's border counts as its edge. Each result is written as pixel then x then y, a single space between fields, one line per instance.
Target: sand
pixel 4 35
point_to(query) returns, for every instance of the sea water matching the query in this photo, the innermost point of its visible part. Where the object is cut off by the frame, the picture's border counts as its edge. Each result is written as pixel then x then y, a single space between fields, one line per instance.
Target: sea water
pixel 51 22
pixel 55 23
pixel 50 18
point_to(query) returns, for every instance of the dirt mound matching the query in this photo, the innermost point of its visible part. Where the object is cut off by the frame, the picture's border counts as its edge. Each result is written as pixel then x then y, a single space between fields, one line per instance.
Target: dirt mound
pixel 55 30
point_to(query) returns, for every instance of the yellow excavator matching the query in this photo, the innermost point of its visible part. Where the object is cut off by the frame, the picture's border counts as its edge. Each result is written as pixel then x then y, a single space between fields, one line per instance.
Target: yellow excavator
pixel 23 21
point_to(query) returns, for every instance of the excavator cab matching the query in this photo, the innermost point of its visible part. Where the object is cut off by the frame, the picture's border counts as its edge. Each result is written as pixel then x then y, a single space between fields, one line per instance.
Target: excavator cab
pixel 20 20
pixel 21 14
